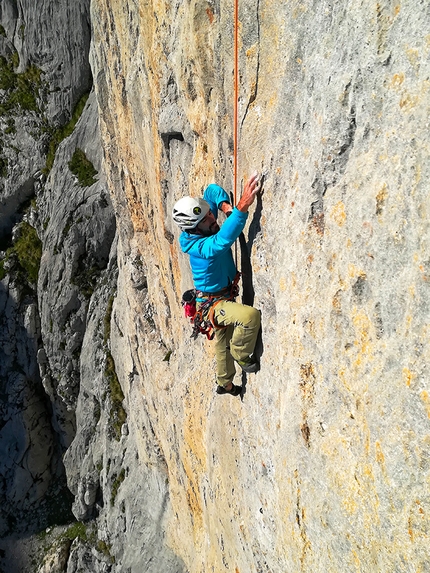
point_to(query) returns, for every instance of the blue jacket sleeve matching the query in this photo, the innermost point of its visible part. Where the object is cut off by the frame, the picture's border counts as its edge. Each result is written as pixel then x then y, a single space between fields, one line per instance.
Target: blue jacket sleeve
pixel 215 195
pixel 212 246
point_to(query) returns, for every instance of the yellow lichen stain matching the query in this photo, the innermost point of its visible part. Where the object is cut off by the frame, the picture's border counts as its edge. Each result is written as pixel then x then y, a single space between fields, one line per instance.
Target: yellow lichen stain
pixel 282 284
pixel 349 243
pixel 338 214
pixel 368 471
pixel 420 509
pixel 410 530
pixel 397 80
pixel 293 281
pixel 423 271
pixel 336 303
pixel 357 561
pixel 380 458
pixel 350 505
pixel 352 271
pixel 396 10
pixel 343 378
pixel 381 197
pixel 425 398
pixel 408 101
pixel 363 342
pixel 408 376
pixel 331 264
pixel 413 56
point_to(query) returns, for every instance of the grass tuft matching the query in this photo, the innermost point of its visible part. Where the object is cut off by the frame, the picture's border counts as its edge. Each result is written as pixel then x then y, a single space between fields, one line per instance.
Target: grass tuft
pixel 22 90
pixel 27 251
pixel 82 167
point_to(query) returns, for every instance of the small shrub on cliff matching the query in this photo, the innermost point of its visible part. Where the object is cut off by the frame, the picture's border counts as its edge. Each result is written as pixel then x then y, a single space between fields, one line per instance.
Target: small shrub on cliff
pixel 21 90
pixel 82 167
pixel 25 255
pixel 61 133
pixel 7 75
pixel 28 248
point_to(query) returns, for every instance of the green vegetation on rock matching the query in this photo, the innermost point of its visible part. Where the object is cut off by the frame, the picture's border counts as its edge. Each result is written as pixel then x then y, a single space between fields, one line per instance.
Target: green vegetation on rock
pixel 116 484
pixel 77 530
pixel 117 413
pixel 3 166
pixel 86 277
pixel 27 252
pixel 21 90
pixel 82 167
pixel 61 133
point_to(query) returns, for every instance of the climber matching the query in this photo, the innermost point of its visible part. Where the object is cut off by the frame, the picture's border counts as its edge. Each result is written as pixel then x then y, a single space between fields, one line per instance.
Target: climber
pixel 214 273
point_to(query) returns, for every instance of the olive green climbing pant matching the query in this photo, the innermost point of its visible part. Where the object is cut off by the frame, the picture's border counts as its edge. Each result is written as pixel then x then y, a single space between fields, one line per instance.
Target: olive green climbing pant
pixel 237 341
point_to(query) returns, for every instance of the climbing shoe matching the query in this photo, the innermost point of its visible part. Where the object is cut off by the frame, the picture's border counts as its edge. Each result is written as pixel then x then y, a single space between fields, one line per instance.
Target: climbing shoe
pixel 235 390
pixel 249 366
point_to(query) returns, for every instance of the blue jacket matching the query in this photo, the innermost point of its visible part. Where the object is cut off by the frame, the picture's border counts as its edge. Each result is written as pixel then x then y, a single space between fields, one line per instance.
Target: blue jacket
pixel 211 259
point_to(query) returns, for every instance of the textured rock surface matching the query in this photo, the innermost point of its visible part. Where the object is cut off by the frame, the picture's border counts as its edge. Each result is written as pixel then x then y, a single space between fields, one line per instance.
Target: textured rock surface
pixel 324 466
pixel 28 453
pixel 41 36
pixel 32 105
pixel 32 486
pixel 77 234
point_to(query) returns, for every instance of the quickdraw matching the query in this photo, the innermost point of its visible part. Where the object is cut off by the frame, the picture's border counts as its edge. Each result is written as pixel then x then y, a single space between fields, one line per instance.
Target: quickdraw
pixel 202 318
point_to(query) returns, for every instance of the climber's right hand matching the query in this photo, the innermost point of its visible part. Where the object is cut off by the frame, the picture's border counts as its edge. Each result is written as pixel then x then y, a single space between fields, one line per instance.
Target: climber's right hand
pixel 252 187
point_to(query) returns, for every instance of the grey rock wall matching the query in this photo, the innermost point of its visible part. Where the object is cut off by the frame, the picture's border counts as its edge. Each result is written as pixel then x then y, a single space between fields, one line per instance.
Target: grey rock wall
pixel 38 36
pixel 58 374
pixel 44 71
pixel 28 450
pixel 77 227
pixel 323 466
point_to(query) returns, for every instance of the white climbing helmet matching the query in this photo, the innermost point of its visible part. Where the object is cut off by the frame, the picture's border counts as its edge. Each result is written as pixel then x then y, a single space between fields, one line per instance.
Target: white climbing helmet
pixel 189 211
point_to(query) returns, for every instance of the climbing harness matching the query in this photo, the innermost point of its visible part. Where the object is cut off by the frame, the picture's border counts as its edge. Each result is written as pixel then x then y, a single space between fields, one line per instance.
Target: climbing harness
pixel 202 318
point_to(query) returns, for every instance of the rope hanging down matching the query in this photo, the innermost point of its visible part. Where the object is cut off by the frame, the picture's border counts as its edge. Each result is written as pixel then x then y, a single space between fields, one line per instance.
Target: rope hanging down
pixel 236 97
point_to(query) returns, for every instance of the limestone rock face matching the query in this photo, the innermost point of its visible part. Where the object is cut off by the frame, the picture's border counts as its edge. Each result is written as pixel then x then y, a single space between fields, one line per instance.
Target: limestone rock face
pixel 28 453
pixel 47 56
pixel 77 235
pixel 44 71
pixel 324 465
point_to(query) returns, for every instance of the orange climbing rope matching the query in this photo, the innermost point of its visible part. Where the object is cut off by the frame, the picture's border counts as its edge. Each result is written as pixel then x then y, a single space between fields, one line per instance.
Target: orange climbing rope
pixel 236 97
pixel 235 107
